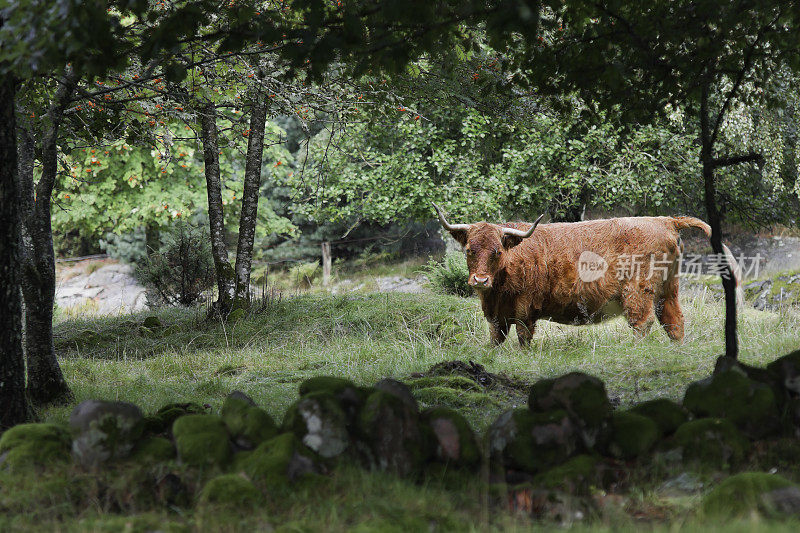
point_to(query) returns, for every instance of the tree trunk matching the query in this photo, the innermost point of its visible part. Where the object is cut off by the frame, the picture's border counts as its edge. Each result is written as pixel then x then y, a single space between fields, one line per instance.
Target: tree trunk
pixel 728 280
pixel 252 186
pixel 14 407
pixel 222 267
pixel 46 383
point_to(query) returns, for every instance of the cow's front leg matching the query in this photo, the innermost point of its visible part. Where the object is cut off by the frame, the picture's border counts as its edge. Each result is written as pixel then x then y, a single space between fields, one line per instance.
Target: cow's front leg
pixel 498 329
pixel 525 330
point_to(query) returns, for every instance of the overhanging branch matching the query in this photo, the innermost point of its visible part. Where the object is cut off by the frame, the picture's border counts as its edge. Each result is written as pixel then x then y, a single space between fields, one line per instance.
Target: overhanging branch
pixel 752 157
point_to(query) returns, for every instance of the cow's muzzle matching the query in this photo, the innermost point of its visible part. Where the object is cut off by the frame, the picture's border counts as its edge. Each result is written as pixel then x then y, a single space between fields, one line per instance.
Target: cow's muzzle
pixel 480 282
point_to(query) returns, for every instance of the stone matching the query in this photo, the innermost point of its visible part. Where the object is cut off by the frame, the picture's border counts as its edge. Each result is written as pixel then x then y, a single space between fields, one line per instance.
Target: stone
pixel 745 493
pixel 349 396
pixel 457 398
pixel 787 369
pixel 152 322
pixel 247 424
pixel 202 440
pixel 161 422
pixel 389 427
pixel 449 437
pixel 711 443
pixel 730 394
pixel 103 431
pixel 278 462
pixel 784 501
pixel 583 397
pixel 632 435
pixel 576 476
pixel 230 491
pixel 317 419
pixel 153 450
pixel 533 442
pixel 667 414
pixel 399 390
pixel 34 446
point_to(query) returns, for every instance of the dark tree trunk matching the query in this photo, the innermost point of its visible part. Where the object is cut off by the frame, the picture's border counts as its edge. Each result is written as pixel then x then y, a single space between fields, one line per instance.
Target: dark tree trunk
pixel 252 185
pixel 222 267
pixel 14 407
pixel 46 383
pixel 728 280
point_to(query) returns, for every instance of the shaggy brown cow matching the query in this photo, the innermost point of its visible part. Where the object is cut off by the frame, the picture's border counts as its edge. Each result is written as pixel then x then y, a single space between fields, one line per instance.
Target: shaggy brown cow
pixel 577 273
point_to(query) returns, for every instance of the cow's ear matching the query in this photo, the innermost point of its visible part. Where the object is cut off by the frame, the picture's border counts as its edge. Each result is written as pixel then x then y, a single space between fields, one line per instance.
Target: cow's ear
pixel 460 235
pixel 510 241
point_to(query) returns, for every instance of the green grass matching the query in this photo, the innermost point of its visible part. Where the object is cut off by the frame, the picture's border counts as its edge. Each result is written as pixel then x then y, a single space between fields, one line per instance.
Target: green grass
pixel 364 338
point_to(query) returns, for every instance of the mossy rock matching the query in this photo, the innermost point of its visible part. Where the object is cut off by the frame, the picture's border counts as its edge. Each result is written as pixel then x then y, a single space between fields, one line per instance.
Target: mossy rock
pixel 34 445
pixel 667 414
pixel 161 422
pixel 632 435
pixel 230 491
pixel 533 442
pixel 152 322
pixel 390 429
pixel 248 425
pixel 731 394
pixel 202 440
pixel 711 443
pixel 458 398
pixel 236 315
pixel 104 430
pixel 153 450
pixel 349 396
pixel 451 382
pixel 278 462
pixel 319 421
pixel 787 371
pixel 582 396
pixel 743 494
pixel 576 476
pixel 449 437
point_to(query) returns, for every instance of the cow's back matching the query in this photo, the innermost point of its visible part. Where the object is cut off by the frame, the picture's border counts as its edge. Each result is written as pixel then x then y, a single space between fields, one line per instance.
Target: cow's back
pixel 575 270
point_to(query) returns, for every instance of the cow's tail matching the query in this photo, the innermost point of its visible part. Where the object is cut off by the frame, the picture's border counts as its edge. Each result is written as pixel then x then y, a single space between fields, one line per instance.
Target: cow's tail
pixel 691 222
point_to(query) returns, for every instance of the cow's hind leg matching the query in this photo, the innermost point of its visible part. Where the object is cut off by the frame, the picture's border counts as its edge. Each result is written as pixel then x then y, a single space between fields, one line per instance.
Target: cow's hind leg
pixel 638 308
pixel 670 314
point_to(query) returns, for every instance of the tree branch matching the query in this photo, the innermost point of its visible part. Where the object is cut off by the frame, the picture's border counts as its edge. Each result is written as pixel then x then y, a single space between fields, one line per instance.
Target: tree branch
pixel 752 157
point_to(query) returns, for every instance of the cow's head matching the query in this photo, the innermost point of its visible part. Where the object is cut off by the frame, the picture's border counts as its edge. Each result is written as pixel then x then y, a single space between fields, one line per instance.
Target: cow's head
pixel 485 245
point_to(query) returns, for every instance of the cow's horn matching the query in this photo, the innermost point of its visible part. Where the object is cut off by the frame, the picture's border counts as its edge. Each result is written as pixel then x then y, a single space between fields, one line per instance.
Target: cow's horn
pixel 449 227
pixel 523 234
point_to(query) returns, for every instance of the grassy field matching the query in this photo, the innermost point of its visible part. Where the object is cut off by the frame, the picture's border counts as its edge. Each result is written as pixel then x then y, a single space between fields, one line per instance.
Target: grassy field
pixel 363 337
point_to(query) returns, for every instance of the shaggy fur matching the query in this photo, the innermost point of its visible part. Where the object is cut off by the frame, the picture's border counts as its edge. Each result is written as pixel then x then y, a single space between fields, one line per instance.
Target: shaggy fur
pixel 538 278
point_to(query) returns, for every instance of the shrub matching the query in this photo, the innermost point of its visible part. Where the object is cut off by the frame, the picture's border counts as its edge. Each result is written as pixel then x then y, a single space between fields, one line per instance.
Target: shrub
pixel 450 275
pixel 304 274
pixel 181 270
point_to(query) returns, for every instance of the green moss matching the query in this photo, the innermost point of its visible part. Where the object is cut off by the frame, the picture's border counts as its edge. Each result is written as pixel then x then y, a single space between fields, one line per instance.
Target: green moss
pixel 153 450
pixel 329 384
pixel 711 442
pixel 450 382
pixel 161 422
pixel 577 475
pixel 319 421
pixel 453 397
pixel 202 440
pixel 277 462
pixel 34 445
pixel 731 394
pixel 581 395
pixel 247 424
pixel 632 435
pixel 460 449
pixel 743 494
pixel 236 315
pixel 152 322
pixel 230 490
pixel 534 442
pixel 667 414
